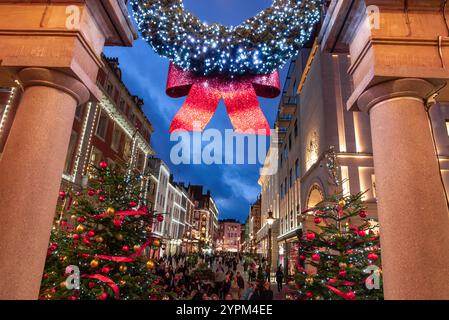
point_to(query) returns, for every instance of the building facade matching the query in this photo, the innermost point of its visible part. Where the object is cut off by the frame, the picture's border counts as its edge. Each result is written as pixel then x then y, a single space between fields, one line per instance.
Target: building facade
pixel 229 235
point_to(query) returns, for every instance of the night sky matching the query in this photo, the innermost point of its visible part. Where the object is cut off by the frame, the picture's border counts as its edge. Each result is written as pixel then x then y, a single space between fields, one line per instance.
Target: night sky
pixel 233 187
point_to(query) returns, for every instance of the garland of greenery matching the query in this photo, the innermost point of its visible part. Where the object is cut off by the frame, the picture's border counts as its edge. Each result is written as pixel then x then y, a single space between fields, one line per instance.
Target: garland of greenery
pixel 259 45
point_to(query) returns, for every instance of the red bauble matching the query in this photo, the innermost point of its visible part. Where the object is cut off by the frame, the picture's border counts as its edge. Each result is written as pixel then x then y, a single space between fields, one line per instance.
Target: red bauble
pixel 81 219
pixel 73 298
pixel 86 240
pixel 132 204
pixel 91 233
pixel 160 217
pixel 372 256
pixel 317 220
pixel 302 258
pixel 103 164
pixel 91 193
pixel 102 198
pixel 310 236
pixel 363 214
pixel 62 195
pixel 343 273
pixel 125 248
pixel 332 281
pixel 76 236
pixel 362 233
pixel 105 270
pixel 316 257
pixel 53 247
pixel 350 295
pixel 91 285
pixel 309 294
pixel 103 296
pixel 117 223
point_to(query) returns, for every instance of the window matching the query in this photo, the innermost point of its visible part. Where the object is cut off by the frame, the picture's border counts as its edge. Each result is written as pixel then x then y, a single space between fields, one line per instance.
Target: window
pixel 296 128
pixel 282 191
pixel 285 186
pixel 109 89
pixel 70 153
pixel 285 152
pixel 290 142
pixel 116 137
pixel 127 149
pixel 291 178
pixel 122 105
pixel 102 126
pixel 95 156
pixel 373 183
pixel 447 126
pixel 297 168
pixel 281 159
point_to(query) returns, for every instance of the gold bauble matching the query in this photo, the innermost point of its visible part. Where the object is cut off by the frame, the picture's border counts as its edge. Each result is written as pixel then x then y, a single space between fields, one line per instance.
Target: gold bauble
pixel 150 264
pixel 165 297
pixel 136 248
pixel 122 282
pixel 157 243
pixel 80 228
pixel 99 239
pixel 119 236
pixel 309 280
pixel 342 265
pixel 123 268
pixel 342 203
pixel 63 285
pixel 110 212
pixel 73 216
pixel 63 258
pixel 94 263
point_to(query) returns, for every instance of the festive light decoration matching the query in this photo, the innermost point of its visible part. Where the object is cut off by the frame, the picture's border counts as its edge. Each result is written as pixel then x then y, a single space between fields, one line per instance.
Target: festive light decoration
pixel 260 45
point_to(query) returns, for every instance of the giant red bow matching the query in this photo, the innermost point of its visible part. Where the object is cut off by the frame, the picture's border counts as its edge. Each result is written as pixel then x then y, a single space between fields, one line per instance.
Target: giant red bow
pixel 205 92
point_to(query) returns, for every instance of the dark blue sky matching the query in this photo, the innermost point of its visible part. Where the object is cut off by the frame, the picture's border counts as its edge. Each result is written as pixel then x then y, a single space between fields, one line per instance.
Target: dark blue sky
pixel 233 187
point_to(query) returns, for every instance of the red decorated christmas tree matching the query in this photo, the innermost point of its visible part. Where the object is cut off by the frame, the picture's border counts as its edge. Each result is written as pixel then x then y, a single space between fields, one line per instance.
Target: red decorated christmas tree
pixel 102 246
pixel 339 256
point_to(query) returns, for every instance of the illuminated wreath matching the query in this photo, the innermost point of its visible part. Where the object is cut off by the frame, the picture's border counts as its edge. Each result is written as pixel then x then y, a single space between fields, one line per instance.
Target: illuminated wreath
pixel 260 45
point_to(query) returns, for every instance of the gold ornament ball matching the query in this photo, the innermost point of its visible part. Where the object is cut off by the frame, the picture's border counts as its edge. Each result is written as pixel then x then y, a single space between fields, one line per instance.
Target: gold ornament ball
pixel 157 243
pixel 119 236
pixel 123 268
pixel 165 297
pixel 80 228
pixel 94 263
pixel 99 239
pixel 110 212
pixel 342 203
pixel 309 280
pixel 63 285
pixel 122 282
pixel 150 264
pixel 136 248
pixel 73 217
pixel 342 265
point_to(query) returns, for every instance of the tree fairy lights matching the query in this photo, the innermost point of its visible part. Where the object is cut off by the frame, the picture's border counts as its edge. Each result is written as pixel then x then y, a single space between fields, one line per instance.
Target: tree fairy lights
pixel 259 45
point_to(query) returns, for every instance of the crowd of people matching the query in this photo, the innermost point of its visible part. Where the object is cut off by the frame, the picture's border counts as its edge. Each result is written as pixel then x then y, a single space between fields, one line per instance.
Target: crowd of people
pixel 224 276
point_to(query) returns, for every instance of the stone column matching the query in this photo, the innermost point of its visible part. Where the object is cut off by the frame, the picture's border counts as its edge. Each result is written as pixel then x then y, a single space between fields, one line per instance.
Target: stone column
pixel 30 175
pixel 413 209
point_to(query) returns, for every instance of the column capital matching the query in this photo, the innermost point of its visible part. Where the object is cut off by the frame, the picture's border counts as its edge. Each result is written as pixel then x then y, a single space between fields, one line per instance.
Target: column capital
pixel 400 88
pixel 30 77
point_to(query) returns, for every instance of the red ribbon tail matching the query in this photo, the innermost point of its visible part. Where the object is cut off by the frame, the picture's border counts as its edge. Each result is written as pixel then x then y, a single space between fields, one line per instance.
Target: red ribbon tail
pixel 197 110
pixel 244 111
pixel 106 280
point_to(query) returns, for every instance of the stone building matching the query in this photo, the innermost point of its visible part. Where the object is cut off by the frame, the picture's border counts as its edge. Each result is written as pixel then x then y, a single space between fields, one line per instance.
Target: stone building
pixel 229 235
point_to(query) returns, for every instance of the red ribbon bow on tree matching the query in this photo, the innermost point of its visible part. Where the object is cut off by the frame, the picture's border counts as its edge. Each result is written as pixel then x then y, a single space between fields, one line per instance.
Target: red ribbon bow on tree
pixel 205 92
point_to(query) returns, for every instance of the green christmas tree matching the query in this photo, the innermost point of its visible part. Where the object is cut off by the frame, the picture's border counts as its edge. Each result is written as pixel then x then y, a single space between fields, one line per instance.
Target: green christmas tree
pixel 340 257
pixel 100 246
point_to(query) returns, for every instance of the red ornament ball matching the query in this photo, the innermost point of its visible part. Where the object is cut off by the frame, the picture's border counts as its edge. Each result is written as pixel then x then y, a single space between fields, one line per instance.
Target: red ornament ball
pixel 332 281
pixel 350 295
pixel 91 193
pixel 125 248
pixel 316 257
pixel 132 204
pixel 302 258
pixel 91 233
pixel 160 217
pixel 117 223
pixel 103 164
pixel 343 273
pixel 103 296
pixel 91 285
pixel 62 195
pixel 105 270
pixel 310 236
pixel 102 198
pixel 372 256
pixel 76 236
pixel 363 214
pixel 73 298
pixel 317 220
pixel 309 294
pixel 362 233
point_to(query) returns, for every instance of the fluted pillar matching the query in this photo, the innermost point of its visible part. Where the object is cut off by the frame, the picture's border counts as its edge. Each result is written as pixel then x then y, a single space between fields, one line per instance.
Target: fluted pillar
pixel 30 175
pixel 412 205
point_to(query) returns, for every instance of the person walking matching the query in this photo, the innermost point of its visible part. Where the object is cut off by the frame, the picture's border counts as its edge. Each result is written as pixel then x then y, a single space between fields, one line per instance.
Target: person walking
pixel 235 289
pixel 241 284
pixel 279 278
pixel 268 273
pixel 219 280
